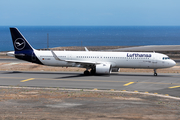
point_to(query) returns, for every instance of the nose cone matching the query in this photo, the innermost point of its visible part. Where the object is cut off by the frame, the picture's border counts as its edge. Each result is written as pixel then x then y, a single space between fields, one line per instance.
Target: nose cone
pixel 172 63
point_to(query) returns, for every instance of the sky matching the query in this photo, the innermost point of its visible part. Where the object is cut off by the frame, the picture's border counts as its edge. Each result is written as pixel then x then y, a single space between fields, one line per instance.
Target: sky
pixel 89 12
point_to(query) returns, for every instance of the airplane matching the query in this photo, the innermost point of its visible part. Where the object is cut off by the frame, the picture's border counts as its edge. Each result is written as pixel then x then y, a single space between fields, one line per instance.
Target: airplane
pixel 95 62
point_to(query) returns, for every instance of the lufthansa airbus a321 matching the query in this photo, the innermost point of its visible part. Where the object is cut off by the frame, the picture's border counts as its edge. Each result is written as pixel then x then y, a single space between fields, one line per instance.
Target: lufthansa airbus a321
pixel 95 62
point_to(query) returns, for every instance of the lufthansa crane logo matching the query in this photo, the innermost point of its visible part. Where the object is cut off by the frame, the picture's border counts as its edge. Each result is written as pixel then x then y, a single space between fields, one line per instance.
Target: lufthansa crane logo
pixel 19 43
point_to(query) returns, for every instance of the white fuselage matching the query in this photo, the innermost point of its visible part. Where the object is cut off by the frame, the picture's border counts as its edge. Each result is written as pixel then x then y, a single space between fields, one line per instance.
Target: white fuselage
pixel 147 60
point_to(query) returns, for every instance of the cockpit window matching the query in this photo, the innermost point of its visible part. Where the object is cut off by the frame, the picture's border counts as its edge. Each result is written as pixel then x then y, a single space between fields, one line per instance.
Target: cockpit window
pixel 165 58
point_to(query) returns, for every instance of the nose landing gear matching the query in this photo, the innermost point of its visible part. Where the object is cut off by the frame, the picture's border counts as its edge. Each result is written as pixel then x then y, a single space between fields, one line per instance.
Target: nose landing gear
pixel 155 74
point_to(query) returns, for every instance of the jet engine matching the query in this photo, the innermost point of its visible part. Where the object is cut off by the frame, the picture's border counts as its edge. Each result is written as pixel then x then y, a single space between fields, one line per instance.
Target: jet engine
pixel 103 69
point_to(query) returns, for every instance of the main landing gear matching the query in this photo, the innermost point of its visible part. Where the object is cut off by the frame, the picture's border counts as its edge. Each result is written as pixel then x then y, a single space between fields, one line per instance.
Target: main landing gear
pixel 155 74
pixel 86 72
pixel 92 72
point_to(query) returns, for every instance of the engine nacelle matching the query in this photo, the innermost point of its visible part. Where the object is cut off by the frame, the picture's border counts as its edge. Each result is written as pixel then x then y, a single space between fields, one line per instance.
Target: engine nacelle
pixel 103 69
pixel 115 69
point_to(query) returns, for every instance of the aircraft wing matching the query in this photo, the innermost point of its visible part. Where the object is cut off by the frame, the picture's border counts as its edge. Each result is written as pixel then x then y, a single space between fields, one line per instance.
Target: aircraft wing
pixel 74 61
pixel 82 62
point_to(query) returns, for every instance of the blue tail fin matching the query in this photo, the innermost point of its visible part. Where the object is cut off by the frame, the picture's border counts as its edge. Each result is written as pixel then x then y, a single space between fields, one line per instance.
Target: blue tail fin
pixel 19 42
pixel 23 50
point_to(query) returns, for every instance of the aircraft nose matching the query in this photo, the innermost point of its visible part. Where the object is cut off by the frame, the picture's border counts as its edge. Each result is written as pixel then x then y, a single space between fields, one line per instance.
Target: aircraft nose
pixel 173 63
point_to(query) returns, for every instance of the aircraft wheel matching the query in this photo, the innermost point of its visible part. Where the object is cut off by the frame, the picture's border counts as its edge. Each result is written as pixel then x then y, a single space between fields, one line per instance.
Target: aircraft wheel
pixel 155 74
pixel 86 72
pixel 93 72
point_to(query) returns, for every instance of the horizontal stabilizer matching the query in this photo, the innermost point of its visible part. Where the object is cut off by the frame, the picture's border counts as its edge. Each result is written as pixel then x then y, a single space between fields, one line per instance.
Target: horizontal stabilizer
pixel 12 54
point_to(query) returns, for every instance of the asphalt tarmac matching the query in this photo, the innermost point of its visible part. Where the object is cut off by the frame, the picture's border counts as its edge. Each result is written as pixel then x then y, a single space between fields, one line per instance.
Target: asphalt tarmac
pixel 164 83
pixel 11 60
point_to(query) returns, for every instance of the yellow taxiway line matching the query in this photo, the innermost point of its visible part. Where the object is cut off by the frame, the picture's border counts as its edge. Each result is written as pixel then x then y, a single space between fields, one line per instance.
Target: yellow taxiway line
pixel 27 80
pixel 128 83
pixel 174 87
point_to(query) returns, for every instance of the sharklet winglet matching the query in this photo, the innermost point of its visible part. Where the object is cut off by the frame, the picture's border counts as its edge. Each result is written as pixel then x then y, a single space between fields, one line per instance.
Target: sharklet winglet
pixel 55 56
pixel 86 49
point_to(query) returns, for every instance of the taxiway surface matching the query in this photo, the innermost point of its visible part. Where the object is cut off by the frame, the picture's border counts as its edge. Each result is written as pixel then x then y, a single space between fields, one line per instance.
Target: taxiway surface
pixel 164 83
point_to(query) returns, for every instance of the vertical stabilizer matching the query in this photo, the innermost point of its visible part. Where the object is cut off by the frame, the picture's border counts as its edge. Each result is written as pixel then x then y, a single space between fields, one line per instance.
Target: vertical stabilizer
pixel 23 50
pixel 19 42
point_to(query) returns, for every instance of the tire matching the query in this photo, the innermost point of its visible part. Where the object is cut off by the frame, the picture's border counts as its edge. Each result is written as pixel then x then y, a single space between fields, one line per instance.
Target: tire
pixel 93 72
pixel 86 72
